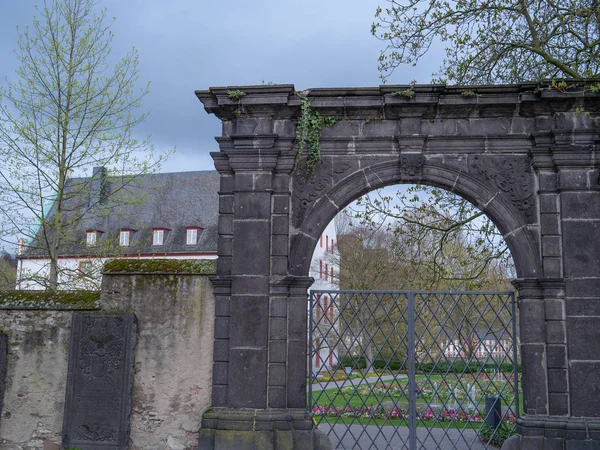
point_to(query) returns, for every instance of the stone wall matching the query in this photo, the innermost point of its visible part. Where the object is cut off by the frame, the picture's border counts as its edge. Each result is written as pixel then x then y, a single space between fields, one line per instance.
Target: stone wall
pixel 173 361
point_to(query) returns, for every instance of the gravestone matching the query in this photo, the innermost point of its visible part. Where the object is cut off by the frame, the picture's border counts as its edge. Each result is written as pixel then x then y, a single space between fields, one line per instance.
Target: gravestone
pixel 99 381
pixel 3 366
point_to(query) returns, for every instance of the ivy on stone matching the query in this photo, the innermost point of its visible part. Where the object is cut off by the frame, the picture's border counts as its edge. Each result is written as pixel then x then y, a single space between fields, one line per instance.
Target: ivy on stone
pixel 308 133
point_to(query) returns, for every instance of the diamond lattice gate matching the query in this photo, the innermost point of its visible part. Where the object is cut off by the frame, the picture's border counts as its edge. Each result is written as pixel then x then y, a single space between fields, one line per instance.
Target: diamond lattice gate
pixel 413 369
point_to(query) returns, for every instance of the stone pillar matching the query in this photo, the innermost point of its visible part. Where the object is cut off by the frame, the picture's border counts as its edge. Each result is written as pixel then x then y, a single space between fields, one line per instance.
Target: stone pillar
pixel 560 312
pixel 259 377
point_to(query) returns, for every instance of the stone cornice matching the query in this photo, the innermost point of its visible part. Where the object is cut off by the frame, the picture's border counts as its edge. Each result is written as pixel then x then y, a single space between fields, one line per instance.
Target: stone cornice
pixel 426 101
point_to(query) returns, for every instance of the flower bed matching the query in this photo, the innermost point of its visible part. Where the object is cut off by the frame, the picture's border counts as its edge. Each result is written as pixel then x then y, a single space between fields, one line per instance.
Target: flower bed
pixel 379 412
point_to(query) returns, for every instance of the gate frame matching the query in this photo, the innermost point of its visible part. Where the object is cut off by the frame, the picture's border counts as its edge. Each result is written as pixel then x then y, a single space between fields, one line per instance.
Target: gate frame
pixel 410 320
pixel 521 153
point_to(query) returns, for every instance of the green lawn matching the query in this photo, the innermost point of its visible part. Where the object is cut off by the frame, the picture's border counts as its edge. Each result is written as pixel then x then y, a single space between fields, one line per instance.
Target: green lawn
pixel 433 391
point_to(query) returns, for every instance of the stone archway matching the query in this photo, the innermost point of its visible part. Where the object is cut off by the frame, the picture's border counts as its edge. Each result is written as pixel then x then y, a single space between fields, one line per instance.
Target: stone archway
pixel 520 153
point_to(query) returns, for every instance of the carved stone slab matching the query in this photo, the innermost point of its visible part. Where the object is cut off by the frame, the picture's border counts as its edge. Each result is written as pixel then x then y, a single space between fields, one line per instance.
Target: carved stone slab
pixel 99 381
pixel 3 366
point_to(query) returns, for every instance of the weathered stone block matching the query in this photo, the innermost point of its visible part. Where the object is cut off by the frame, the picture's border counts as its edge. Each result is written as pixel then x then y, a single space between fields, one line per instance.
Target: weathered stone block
pixel 225 204
pixel 535 387
pixel 584 377
pixel 247 391
pixel 583 306
pixel 281 204
pixel 549 224
pixel 278 307
pixel 250 285
pixel 278 351
pixel 554 309
pixel 580 205
pixel 219 395
pixel 249 321
pixel 548 203
pixel 297 314
pixel 557 380
pixel 551 245
pixel 572 179
pixel 277 374
pixel 552 266
pixel 555 332
pixel 581 248
pixel 278 328
pixel 276 396
pixel 557 356
pixel 296 374
pixel 220 373
pixel 587 287
pixel 100 381
pixel 583 334
pixel 251 247
pixel 225 225
pixel 252 205
pixel 222 306
pixel 280 224
pixel 279 265
pixel 221 350
pixel 532 321
pixel 279 245
pixel 559 404
pixel 222 328
pixel 3 366
pixel 548 181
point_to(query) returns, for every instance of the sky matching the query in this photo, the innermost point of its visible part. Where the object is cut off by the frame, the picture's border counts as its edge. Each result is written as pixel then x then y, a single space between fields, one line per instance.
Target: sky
pixel 187 45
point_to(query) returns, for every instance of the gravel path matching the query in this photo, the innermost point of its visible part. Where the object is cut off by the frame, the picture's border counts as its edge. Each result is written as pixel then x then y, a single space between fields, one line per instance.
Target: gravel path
pixel 358 437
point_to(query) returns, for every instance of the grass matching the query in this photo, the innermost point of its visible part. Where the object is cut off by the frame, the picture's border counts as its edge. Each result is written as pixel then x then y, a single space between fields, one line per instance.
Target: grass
pixel 394 393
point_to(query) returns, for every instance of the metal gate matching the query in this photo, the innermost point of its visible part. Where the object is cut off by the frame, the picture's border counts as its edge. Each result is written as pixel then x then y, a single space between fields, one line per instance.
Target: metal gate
pixel 413 369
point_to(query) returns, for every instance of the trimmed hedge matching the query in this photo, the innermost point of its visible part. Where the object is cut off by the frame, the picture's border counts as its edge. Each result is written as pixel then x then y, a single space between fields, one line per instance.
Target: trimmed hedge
pixel 459 367
pixel 361 363
pixel 456 367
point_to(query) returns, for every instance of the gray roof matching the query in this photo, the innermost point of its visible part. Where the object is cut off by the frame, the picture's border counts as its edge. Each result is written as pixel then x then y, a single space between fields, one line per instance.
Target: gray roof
pixel 172 201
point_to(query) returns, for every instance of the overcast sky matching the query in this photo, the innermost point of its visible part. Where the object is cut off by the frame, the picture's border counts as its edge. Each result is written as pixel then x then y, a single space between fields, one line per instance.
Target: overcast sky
pixel 185 45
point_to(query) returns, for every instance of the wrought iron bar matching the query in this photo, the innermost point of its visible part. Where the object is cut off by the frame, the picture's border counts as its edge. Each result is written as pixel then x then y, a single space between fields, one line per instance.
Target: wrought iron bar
pixel 515 355
pixel 414 328
pixel 412 374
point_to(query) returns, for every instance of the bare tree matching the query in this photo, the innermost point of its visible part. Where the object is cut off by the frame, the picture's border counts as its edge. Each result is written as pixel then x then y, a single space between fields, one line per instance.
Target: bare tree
pixel 72 108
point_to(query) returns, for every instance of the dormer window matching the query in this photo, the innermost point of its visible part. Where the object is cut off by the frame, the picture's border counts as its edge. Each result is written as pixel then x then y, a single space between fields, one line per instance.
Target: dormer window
pixel 191 236
pixel 91 237
pixel 158 236
pixel 124 238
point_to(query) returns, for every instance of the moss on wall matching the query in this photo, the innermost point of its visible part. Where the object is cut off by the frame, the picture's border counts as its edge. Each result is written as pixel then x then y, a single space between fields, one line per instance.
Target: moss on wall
pixel 50 299
pixel 157 265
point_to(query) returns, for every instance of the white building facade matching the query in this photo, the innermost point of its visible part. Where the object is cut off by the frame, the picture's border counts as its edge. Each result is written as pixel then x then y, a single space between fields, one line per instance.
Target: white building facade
pixel 325 271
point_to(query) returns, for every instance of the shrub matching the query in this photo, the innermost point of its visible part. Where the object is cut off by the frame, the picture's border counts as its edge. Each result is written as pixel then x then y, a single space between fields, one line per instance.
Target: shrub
pixel 497 438
pixel 353 361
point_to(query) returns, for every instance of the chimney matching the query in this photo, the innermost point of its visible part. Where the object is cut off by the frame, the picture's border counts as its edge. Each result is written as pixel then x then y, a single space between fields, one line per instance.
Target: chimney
pixel 97 185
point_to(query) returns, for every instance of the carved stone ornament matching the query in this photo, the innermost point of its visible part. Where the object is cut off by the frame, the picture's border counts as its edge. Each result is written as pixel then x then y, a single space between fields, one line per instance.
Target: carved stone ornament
pixel 411 165
pixel 510 175
pixel 308 189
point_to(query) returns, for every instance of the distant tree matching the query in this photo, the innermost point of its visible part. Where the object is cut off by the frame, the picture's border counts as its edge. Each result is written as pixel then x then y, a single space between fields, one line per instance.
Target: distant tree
pixel 8 271
pixel 493 41
pixel 447 241
pixel 72 108
pixel 416 248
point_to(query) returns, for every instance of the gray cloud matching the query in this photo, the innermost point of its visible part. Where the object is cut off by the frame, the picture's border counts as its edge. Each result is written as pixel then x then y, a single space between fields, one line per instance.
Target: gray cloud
pixel 186 45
